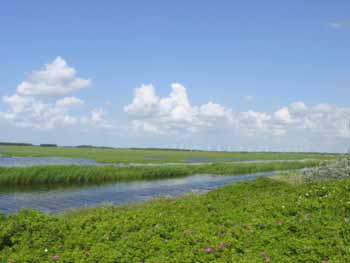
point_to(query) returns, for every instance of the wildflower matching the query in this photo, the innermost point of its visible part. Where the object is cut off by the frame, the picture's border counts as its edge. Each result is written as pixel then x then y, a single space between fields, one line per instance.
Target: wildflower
pixel 280 222
pixel 208 250
pixel 266 257
pixel 55 257
pixel 46 250
pixel 222 245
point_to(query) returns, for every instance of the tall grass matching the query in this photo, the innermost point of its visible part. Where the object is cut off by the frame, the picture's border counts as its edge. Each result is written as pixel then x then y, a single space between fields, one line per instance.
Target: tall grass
pixel 73 174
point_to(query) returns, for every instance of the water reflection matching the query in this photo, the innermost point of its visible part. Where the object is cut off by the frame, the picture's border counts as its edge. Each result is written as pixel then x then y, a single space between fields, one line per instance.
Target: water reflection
pixel 28 161
pixel 58 199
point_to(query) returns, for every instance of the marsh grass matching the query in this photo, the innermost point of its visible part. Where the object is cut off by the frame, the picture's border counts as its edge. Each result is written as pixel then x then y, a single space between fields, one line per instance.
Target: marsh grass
pixel 107 155
pixel 73 174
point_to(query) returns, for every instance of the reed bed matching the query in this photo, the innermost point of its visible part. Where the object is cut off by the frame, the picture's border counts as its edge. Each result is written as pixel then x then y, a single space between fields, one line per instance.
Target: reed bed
pixel 74 174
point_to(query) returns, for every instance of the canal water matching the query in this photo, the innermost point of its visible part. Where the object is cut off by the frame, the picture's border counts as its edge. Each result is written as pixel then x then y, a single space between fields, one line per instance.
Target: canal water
pixel 53 200
pixel 6 161
pixel 29 161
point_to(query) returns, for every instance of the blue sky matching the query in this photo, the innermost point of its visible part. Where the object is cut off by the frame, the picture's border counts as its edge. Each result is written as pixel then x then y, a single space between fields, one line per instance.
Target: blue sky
pixel 277 53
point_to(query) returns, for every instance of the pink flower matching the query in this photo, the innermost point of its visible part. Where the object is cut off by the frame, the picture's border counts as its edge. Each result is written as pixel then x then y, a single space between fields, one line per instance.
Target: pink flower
pixel 208 250
pixel 55 257
pixel 266 257
pixel 222 245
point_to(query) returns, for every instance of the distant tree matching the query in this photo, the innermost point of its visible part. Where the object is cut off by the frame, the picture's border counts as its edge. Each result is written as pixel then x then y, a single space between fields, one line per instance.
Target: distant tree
pixel 48 145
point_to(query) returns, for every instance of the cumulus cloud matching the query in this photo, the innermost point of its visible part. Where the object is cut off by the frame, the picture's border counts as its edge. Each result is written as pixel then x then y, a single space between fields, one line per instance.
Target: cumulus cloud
pixel 175 114
pixel 68 102
pixel 43 101
pixel 213 110
pixel 47 99
pixel 56 79
pixel 144 102
pixel 31 113
pixel 298 106
pixel 283 115
pixel 96 116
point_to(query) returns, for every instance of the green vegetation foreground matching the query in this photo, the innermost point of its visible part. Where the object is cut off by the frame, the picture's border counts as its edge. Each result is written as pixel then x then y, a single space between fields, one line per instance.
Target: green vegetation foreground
pixel 61 174
pixel 264 220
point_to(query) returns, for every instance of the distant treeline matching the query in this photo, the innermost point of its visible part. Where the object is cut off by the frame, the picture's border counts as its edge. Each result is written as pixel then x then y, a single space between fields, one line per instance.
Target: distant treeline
pixel 163 149
pixel 91 146
pixel 26 144
pixel 15 144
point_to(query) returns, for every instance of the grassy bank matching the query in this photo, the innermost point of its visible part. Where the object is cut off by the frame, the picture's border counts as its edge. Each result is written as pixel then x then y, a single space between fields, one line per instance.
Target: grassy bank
pixel 152 156
pixel 258 221
pixel 54 175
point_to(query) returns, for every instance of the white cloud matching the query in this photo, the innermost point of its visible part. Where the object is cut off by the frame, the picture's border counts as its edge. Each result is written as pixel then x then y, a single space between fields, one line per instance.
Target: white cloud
pixel 31 113
pixel 41 102
pixel 96 116
pixel 68 102
pixel 174 115
pixel 174 108
pixel 55 80
pixel 144 102
pixel 46 101
pixel 298 106
pixel 283 115
pixel 212 110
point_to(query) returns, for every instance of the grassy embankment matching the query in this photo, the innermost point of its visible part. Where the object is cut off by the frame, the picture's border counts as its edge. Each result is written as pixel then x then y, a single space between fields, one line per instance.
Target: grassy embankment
pixel 60 175
pixel 264 220
pixel 104 155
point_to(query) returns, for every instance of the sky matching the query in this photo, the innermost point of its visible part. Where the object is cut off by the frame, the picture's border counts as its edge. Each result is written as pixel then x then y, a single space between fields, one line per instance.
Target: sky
pixel 216 75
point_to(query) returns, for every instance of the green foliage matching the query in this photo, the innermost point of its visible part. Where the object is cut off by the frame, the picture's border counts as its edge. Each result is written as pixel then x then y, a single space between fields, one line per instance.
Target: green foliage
pixel 245 222
pixel 74 174
pixel 107 155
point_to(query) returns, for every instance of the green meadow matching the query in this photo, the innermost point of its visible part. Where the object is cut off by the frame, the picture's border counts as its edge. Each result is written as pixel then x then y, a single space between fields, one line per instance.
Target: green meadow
pixel 110 155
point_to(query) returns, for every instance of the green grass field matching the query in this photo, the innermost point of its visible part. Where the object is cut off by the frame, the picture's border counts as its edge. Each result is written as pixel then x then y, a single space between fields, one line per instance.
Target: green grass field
pixel 263 220
pixel 151 156
pixel 67 175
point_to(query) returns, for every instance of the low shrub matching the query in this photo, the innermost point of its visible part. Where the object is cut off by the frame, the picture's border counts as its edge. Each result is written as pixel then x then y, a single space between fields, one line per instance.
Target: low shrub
pixel 258 221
